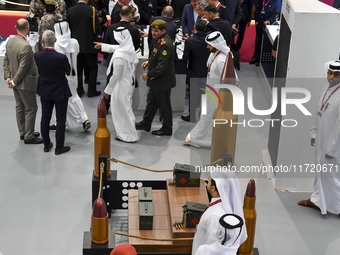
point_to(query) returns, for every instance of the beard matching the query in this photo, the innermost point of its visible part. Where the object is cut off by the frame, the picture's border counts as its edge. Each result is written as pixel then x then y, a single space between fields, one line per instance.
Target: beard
pixel 332 82
pixel 213 50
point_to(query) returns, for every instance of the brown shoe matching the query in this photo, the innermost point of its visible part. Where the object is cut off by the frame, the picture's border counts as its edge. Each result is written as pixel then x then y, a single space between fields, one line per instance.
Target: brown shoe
pixel 307 203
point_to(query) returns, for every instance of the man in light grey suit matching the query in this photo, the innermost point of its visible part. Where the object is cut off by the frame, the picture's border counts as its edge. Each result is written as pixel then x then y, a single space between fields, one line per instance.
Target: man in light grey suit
pixel 21 74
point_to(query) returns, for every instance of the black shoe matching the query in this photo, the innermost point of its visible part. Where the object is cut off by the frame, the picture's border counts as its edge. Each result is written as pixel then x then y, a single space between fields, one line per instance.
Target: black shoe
pixel 47 149
pixel 97 93
pixel 257 64
pixel 80 92
pixel 161 132
pixel 62 150
pixel 36 134
pixel 254 61
pixel 35 140
pixel 142 126
pixel 186 118
pixel 53 128
pixel 98 61
pixel 86 125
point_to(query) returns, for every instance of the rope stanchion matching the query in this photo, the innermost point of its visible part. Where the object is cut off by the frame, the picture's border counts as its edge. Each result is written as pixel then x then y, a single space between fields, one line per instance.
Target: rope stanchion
pixel 158 171
pixel 155 239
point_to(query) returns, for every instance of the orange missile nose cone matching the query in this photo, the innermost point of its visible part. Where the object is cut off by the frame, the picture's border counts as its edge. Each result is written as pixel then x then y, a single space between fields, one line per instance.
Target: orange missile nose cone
pixel 101 109
pixel 228 73
pixel 99 208
pixel 250 192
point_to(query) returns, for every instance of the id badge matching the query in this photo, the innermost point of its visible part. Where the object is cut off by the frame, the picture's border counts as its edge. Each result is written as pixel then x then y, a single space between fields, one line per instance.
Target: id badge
pixel 150 5
pixel 263 12
pixel 320 114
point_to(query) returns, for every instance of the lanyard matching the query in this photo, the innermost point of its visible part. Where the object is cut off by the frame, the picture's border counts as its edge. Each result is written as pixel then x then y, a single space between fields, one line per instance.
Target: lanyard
pixel 213 61
pixel 22 36
pixel 42 8
pixel 324 103
pixel 210 205
pixel 49 48
pixel 265 4
pixel 119 3
pixel 219 5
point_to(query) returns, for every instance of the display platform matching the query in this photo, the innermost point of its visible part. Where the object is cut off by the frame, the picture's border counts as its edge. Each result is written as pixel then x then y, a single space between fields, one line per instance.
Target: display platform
pixel 167 211
pixel 90 248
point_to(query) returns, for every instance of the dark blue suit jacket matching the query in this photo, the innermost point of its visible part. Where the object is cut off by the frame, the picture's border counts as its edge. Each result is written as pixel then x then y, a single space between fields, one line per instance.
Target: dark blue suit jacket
pixel 187 21
pixel 269 11
pixel 197 53
pixel 52 84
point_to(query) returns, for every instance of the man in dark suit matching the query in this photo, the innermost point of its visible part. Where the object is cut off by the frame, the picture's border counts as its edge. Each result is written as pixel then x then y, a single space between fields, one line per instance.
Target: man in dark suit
pixel 84 25
pixel 146 11
pixel 170 26
pixel 160 79
pixel 196 53
pixel 246 7
pixel 53 90
pixel 178 6
pixel 224 11
pixel 211 14
pixel 21 75
pixel 126 15
pixel 115 17
pixel 264 15
pixel 189 17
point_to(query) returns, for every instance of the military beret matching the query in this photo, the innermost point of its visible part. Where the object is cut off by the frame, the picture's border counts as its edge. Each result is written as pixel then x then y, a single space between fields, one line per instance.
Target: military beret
pixel 158 24
pixel 50 2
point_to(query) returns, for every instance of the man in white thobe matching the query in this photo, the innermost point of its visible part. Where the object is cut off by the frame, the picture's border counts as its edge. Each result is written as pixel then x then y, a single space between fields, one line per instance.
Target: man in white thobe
pixel 201 134
pixel 326 141
pixel 68 46
pixel 229 232
pixel 120 85
pixel 224 188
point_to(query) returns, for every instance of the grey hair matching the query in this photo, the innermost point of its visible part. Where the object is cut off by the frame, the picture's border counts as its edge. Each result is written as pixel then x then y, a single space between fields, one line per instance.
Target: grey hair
pixel 202 4
pixel 168 11
pixel 49 37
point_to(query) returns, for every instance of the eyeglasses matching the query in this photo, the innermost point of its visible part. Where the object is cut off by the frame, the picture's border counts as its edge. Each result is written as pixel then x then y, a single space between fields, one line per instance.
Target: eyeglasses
pixel 335 74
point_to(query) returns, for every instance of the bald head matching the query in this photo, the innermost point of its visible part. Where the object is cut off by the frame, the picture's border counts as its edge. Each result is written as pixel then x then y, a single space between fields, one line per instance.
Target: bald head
pixel 168 12
pixel 126 13
pixel 22 26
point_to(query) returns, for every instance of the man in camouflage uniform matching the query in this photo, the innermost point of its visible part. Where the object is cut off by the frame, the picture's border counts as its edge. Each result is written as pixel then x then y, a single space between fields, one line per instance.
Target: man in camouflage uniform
pixel 38 8
pixel 48 20
pixel 160 79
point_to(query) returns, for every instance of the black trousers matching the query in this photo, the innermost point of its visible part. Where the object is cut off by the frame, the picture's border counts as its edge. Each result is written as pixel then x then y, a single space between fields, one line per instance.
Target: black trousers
pixel 242 29
pixel 258 41
pixel 87 62
pixel 47 108
pixel 159 99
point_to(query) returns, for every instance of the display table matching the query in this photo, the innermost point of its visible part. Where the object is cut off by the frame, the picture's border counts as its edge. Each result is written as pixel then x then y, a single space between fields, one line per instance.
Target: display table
pixel 167 206
pixel 267 61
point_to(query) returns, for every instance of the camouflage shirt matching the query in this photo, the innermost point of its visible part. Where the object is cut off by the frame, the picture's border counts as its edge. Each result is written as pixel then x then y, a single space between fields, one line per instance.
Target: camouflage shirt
pixel 47 22
pixel 38 8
